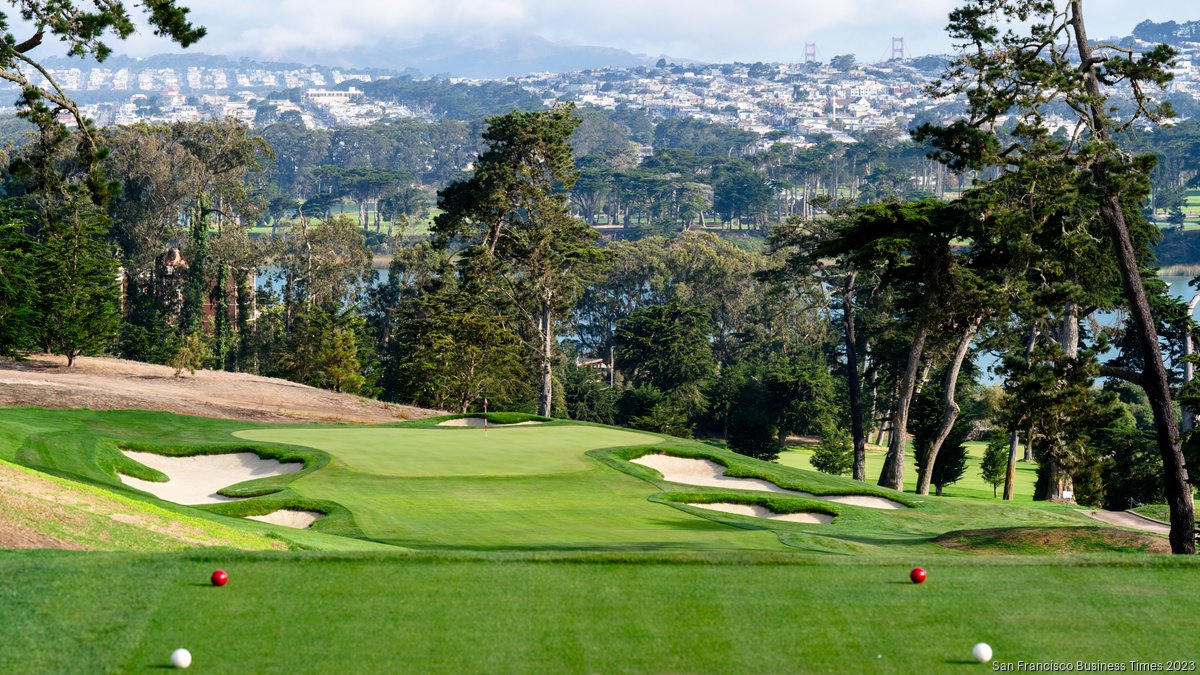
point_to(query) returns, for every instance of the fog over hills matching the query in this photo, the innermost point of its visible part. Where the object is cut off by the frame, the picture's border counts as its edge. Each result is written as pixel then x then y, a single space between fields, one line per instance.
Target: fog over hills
pixel 462 57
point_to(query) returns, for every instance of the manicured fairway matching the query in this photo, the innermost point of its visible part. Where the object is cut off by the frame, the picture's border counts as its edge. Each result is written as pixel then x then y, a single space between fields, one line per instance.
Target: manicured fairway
pixel 411 452
pixel 292 614
pixel 970 485
pixel 516 488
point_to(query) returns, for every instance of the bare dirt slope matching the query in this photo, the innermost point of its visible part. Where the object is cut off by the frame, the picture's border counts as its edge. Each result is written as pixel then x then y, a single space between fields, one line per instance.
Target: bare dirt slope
pixel 44 381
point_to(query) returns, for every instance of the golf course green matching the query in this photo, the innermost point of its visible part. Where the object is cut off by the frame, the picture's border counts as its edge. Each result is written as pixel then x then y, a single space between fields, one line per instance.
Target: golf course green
pixel 544 548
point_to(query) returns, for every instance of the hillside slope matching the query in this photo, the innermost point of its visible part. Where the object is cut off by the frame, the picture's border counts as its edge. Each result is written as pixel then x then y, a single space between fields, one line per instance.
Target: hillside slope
pixel 41 511
pixel 44 381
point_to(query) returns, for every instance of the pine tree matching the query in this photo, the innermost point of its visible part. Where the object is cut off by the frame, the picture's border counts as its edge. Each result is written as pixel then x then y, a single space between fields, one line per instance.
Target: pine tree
pixel 17 288
pixel 994 466
pixel 78 305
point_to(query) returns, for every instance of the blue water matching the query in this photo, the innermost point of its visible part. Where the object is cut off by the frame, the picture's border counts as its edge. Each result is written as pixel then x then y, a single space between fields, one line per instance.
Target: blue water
pixel 988 361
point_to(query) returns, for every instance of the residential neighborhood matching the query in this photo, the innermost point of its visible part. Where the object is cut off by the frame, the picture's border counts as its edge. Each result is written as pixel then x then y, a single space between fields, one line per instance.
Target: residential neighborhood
pixel 796 100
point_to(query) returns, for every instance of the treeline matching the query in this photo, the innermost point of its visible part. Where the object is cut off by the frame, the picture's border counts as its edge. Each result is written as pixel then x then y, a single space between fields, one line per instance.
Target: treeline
pixel 700 175
pixel 839 324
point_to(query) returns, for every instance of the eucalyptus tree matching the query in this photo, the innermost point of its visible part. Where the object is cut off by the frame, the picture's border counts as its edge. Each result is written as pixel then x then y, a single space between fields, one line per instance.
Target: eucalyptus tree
pixel 1021 57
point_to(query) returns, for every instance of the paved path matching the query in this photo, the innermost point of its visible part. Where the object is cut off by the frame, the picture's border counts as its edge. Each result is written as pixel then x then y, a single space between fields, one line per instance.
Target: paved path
pixel 1131 520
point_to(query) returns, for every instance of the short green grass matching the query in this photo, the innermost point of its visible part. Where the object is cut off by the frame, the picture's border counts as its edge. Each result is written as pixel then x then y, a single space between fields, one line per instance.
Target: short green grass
pixel 970 485
pixel 449 451
pixel 546 550
pixel 1156 511
pixel 592 614
pixel 557 486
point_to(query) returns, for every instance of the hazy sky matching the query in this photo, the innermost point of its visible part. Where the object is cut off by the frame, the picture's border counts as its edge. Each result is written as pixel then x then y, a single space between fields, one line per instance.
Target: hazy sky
pixel 710 30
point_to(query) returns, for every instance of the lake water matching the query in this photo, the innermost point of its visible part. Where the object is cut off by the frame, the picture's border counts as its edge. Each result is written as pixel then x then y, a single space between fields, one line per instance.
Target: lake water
pixel 1178 286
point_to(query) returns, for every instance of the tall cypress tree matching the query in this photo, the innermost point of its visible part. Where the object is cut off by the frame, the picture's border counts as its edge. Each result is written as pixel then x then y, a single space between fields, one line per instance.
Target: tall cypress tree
pixel 195 282
pixel 78 304
pixel 17 288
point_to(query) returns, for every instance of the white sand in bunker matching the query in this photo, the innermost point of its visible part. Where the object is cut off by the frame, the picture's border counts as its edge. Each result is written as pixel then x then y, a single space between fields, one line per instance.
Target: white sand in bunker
pixel 478 422
pixel 290 518
pixel 707 473
pixel 763 512
pixel 196 479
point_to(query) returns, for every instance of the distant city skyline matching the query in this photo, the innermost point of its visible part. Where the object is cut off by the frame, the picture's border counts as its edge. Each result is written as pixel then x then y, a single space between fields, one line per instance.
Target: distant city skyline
pixel 707 30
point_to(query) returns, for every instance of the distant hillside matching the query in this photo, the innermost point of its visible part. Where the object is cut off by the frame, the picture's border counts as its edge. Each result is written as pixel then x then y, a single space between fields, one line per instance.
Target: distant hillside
pixel 455 101
pixel 191 60
pixel 461 57
pixel 1170 32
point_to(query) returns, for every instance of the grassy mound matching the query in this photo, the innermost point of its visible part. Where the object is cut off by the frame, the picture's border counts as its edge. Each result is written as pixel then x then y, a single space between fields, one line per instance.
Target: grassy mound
pixel 41 511
pixel 1052 541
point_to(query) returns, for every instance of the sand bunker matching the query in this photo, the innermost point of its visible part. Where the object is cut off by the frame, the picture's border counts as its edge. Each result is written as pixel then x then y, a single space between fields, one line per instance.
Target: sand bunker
pixel 707 473
pixel 763 512
pixel 478 422
pixel 290 518
pixel 196 479
pixel 866 501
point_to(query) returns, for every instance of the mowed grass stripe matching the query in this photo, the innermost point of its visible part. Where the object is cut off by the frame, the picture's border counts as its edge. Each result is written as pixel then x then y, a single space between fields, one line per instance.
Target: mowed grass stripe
pixel 515 488
pixel 970 485
pixel 594 509
pixel 303 615
pixel 513 451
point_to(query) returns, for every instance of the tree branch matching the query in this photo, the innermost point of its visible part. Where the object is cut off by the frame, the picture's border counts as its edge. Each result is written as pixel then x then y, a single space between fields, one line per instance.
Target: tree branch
pixel 32 42
pixel 1126 374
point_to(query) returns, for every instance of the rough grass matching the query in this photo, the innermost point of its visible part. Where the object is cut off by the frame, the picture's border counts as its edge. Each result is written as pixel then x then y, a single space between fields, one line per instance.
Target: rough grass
pixel 38 510
pixel 1053 540
pixel 1160 512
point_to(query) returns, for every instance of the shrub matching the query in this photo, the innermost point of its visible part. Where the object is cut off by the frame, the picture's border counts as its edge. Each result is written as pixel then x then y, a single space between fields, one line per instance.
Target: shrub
pixel 834 454
pixel 994 468
pixel 192 354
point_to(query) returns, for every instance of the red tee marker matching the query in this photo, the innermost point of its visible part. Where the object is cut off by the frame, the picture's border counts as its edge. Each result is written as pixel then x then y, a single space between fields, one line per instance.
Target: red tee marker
pixel 917 575
pixel 219 578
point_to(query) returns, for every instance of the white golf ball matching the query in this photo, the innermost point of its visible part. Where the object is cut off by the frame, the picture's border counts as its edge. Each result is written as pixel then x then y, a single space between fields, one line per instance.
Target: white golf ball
pixel 982 652
pixel 181 658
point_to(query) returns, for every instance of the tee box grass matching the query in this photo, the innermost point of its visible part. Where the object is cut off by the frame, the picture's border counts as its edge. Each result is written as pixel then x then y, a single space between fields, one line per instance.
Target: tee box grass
pixel 542 548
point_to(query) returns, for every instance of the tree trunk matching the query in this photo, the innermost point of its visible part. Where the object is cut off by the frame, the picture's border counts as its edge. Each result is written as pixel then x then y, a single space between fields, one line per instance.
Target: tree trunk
pixel 245 316
pixel 1061 488
pixel 883 427
pixel 853 381
pixel 950 409
pixel 1010 476
pixel 547 402
pixel 892 475
pixel 71 354
pixel 1154 375
pixel 1189 369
